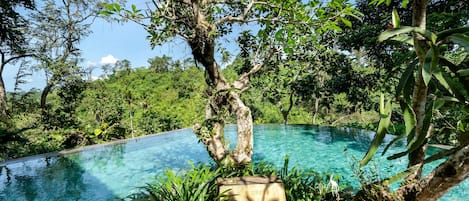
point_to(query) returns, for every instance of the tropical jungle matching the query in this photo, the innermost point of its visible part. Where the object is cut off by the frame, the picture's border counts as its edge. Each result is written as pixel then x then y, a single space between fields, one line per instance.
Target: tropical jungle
pixel 395 67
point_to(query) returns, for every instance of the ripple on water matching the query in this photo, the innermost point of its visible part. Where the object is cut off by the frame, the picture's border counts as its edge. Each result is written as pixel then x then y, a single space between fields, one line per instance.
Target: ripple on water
pixel 107 172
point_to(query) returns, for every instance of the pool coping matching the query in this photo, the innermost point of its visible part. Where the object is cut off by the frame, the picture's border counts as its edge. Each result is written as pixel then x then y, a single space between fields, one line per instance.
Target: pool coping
pixel 84 148
pixel 121 141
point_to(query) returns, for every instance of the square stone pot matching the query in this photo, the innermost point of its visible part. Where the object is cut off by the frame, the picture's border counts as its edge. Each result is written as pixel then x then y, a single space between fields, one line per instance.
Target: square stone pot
pixel 251 188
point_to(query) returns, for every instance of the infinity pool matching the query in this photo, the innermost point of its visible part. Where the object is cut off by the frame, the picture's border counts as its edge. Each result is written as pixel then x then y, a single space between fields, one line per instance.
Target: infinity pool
pixel 112 171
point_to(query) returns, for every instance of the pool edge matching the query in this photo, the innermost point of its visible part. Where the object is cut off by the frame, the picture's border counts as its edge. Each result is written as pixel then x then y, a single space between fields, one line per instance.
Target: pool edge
pixel 84 148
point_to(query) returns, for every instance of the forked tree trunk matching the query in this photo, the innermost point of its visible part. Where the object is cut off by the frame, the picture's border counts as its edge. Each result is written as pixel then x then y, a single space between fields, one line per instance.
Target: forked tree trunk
pixel 211 132
pixel 223 99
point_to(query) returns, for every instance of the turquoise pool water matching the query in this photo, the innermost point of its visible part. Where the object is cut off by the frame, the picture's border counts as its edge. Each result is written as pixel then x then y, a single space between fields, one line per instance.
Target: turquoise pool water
pixel 114 171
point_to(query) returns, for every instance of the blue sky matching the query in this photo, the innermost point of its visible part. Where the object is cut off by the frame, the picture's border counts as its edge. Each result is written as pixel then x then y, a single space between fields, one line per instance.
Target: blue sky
pixel 110 41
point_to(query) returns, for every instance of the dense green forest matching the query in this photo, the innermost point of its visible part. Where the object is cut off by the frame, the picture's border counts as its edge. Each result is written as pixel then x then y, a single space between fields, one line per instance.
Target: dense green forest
pixel 165 95
pixel 398 67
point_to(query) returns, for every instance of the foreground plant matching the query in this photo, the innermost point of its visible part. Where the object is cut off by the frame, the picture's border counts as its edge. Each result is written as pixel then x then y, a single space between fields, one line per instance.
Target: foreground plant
pixel 198 183
pixel 430 83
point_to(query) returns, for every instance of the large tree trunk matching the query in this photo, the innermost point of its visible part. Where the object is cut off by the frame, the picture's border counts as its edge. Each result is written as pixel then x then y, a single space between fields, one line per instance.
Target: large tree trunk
pixel 419 96
pixel 444 177
pixel 223 99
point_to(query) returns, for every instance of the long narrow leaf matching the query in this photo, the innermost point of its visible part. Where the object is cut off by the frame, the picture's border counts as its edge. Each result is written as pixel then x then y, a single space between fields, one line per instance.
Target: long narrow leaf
pixel 427 67
pixel 442 35
pixel 405 77
pixel 404 38
pixel 442 154
pixel 455 89
pixel 409 118
pixel 396 22
pixel 460 39
pixel 392 142
pixel 463 72
pixel 391 33
pixel 443 82
pixel 409 121
pixel 417 141
pixel 385 120
pixel 400 175
pixel 430 36
pixel 398 155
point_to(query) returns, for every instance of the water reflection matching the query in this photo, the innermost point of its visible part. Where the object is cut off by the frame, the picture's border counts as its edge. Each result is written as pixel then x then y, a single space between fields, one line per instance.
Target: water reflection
pixel 50 179
pixel 107 172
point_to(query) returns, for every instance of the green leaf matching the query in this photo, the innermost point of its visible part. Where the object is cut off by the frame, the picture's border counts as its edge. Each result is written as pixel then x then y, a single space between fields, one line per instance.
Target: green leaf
pixel 460 39
pixel 97 131
pixel 444 34
pixel 388 2
pixel 117 7
pixel 417 141
pixel 427 67
pixel 377 2
pixel 427 34
pixel 279 35
pixel 385 120
pixel 108 6
pixel 134 8
pixel 391 33
pixel 442 80
pixel 405 77
pixel 409 122
pixel 346 22
pixel 105 13
pixel 392 142
pixel 398 155
pixel 445 80
pixel 404 3
pixel 463 72
pixel 396 22
pixel 404 38
pixel 409 118
pixel 399 176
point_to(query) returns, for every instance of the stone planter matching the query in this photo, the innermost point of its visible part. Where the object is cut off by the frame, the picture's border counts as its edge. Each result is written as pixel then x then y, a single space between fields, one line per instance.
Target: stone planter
pixel 252 188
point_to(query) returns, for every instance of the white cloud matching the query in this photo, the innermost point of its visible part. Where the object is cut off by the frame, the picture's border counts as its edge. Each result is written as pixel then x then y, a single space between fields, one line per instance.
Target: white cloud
pixel 93 78
pixel 91 64
pixel 109 59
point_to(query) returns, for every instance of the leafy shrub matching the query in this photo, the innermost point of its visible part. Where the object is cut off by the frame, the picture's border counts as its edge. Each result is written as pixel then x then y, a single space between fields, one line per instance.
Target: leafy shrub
pixel 198 183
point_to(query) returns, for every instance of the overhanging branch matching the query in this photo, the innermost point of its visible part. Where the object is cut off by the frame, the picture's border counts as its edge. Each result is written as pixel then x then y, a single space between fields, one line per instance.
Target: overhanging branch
pixel 243 80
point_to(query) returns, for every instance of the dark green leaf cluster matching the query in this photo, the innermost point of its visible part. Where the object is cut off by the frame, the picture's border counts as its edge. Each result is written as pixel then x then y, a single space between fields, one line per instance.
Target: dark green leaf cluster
pixel 199 183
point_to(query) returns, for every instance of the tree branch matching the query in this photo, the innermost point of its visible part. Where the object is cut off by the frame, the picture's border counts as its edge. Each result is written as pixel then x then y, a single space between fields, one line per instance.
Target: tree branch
pixel 244 79
pixel 445 176
pixel 15 57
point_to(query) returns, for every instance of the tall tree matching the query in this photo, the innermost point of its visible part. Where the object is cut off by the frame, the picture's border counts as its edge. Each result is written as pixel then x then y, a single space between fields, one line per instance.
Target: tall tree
pixel 12 41
pixel 424 87
pixel 59 27
pixel 200 23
